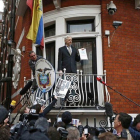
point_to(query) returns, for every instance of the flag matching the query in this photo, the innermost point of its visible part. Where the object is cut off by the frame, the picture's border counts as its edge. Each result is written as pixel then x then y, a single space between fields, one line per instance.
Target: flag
pixel 36 29
pixel 30 4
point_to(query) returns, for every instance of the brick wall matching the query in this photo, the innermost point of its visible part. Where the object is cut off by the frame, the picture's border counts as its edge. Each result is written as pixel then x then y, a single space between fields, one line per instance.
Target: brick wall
pixel 122 59
pixel 23 23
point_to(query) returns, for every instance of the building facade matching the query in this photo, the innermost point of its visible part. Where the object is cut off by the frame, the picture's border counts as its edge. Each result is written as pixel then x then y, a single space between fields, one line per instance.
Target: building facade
pixel 111 49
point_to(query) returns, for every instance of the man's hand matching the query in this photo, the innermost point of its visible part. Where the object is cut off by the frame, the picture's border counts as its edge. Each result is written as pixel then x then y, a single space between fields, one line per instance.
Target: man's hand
pixel 49 120
pixel 84 137
pixel 82 48
pixel 55 96
pixel 60 73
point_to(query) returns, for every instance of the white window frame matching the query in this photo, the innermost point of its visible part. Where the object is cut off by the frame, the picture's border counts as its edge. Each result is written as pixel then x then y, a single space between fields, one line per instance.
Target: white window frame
pixel 59 17
pixel 74 13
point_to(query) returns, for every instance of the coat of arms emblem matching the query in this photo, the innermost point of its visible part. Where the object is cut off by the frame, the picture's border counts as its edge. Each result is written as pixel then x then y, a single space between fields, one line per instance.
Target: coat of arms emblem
pixel 45 74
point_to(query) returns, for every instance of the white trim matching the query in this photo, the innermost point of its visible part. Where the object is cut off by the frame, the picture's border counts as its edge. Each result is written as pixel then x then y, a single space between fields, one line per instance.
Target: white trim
pixel 20 38
pixel 16 22
pixel 16 93
pixel 133 115
pixel 74 35
pixel 71 12
pixel 60 16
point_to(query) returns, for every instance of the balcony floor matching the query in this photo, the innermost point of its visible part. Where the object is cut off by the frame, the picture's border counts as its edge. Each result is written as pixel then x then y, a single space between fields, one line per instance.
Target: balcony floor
pixel 78 111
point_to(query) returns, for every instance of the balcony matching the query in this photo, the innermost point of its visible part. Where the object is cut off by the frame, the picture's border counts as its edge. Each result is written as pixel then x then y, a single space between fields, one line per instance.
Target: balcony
pixel 86 98
pixel 85 94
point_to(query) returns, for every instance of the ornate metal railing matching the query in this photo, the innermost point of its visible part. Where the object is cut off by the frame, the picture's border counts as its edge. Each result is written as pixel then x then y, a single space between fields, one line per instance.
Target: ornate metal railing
pixel 85 91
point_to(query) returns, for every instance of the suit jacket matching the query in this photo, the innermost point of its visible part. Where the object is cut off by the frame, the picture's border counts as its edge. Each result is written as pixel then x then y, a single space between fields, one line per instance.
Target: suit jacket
pixel 65 60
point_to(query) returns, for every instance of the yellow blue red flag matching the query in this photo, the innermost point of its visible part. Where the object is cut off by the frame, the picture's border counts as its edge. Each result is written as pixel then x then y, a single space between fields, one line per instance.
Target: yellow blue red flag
pixel 36 29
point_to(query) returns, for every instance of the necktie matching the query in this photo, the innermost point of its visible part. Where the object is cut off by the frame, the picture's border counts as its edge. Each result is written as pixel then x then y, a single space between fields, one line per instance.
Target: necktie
pixel 69 49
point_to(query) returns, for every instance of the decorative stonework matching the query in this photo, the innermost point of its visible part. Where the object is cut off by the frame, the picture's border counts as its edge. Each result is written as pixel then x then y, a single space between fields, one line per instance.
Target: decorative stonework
pixel 16 68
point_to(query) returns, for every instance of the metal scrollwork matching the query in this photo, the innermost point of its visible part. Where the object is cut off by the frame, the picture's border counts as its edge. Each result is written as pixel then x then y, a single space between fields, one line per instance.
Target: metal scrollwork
pixel 74 96
pixel 103 123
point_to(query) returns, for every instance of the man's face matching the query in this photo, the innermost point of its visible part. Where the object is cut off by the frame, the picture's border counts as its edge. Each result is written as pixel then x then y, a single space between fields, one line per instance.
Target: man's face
pixel 138 126
pixel 27 110
pixel 33 56
pixel 68 41
pixel 117 123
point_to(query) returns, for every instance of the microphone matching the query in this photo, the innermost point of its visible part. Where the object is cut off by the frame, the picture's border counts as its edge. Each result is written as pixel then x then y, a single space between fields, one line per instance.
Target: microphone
pixel 101 81
pixel 12 106
pixel 25 89
pixel 108 109
pixel 109 113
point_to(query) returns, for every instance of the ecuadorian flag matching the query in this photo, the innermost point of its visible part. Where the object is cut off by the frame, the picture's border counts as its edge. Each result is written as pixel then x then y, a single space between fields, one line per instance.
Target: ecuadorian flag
pixel 36 29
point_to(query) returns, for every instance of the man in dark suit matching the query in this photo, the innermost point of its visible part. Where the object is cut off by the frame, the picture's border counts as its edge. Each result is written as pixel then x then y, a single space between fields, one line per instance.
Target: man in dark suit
pixel 67 57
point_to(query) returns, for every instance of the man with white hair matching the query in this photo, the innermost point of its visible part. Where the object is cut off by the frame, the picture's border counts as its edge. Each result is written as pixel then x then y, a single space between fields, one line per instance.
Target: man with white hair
pixel 67 57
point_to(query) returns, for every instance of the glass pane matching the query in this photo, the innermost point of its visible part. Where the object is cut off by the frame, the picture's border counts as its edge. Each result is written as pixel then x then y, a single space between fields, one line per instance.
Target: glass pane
pixel 85 65
pixel 50 31
pixel 81 28
pixel 39 51
pixel 50 53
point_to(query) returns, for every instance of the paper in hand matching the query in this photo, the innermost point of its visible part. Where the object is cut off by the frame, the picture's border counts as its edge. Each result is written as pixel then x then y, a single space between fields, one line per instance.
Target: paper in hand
pixel 83 54
pixel 61 88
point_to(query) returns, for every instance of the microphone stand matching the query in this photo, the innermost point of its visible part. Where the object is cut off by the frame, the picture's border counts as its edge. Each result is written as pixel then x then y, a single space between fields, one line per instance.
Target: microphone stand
pixel 57 115
pixel 111 126
pixel 118 92
pixel 62 104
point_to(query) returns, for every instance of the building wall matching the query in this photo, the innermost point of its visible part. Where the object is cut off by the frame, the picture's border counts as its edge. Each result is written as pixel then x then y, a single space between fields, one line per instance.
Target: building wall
pixel 22 27
pixel 121 60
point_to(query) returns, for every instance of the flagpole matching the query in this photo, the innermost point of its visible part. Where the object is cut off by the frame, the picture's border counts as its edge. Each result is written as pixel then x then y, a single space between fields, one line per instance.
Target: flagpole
pixel 44 49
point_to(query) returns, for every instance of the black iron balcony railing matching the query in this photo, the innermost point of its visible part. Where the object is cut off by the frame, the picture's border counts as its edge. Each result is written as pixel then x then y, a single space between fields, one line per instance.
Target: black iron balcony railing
pixel 85 91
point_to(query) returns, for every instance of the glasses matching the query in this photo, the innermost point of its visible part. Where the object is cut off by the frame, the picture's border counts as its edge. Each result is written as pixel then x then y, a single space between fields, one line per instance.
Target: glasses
pixel 33 55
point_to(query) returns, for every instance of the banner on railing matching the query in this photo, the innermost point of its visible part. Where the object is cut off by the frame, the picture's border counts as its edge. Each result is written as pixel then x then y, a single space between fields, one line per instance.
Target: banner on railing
pixel 61 88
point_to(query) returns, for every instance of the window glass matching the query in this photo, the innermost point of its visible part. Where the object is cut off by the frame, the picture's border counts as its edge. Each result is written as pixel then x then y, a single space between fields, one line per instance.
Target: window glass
pixel 87 66
pixel 50 31
pixel 80 26
pixel 39 51
pixel 50 53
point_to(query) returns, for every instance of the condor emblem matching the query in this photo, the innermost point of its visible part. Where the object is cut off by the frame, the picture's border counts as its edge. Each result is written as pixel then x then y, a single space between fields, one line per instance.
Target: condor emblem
pixel 45 74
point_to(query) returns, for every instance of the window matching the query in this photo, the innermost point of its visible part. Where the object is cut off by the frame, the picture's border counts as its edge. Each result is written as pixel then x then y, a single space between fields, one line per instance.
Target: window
pixel 80 26
pixel 87 66
pixel 50 53
pixel 78 21
pixel 39 51
pixel 50 31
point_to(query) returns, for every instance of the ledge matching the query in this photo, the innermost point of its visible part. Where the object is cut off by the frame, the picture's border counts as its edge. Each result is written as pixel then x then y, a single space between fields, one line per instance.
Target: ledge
pixel 78 111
